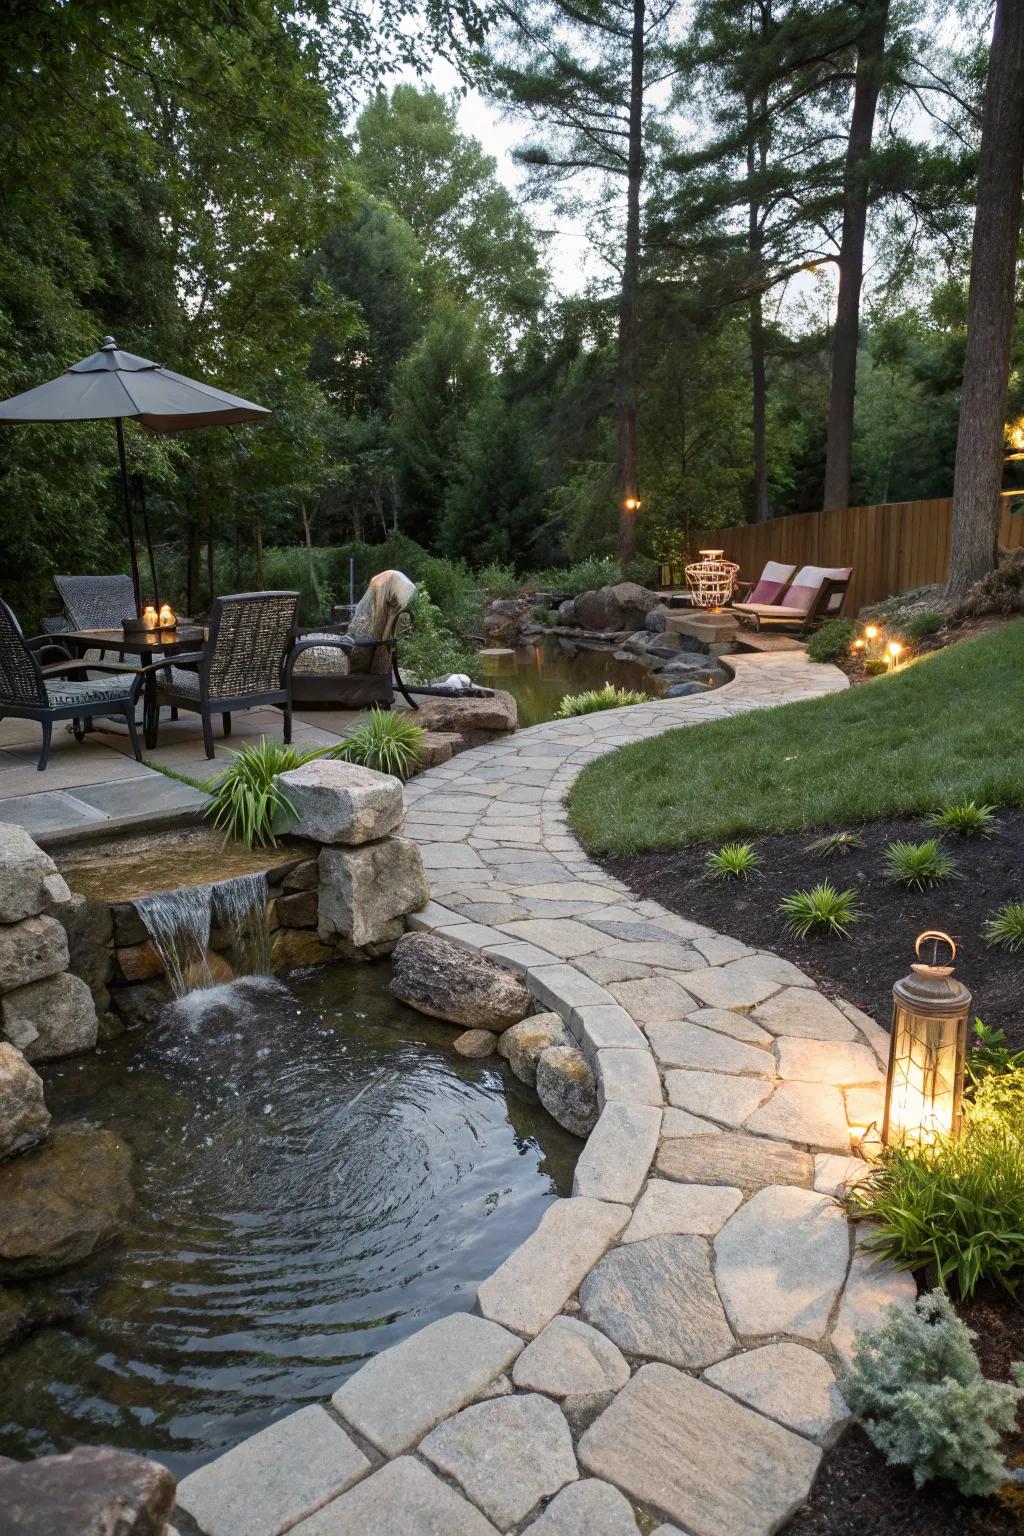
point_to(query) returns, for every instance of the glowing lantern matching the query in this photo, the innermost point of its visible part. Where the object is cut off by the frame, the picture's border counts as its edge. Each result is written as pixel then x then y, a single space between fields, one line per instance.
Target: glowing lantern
pixel 711 579
pixel 149 617
pixel 168 618
pixel 631 504
pixel 927 1048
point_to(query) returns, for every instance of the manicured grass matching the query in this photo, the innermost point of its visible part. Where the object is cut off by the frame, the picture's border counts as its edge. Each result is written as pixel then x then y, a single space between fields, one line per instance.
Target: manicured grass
pixel 949 727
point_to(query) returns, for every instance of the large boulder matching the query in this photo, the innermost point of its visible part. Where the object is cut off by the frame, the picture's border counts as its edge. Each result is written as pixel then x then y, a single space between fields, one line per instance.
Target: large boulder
pixel 623 606
pixel 90 928
pixel 567 611
pixel 50 1018
pixel 29 879
pixel 475 720
pixel 448 982
pixel 566 1088
pixel 92 1491
pixel 29 950
pixel 24 1118
pixel 62 1201
pixel 364 890
pixel 503 617
pixel 342 802
pixel 524 1043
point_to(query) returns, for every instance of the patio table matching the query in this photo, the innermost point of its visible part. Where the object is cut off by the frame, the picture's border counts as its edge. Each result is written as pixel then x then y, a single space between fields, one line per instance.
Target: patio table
pixel 150 647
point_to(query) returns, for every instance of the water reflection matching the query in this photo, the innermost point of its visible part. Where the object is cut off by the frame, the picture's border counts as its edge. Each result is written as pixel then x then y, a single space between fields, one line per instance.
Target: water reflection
pixel 540 675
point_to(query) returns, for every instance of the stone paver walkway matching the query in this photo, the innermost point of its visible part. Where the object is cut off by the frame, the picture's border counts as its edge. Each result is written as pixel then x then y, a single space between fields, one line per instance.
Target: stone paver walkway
pixel 664 1348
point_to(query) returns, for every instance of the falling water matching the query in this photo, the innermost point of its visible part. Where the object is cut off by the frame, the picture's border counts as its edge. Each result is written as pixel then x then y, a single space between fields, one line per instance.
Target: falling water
pixel 179 923
pixel 240 905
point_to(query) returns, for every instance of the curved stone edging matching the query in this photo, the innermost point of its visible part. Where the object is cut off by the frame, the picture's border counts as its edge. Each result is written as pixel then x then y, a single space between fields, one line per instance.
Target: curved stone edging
pixel 690 1322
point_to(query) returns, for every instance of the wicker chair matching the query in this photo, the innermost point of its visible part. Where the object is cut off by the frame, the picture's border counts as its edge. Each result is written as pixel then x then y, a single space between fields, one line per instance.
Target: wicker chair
pixel 33 690
pixel 241 666
pixel 96 602
pixel 355 665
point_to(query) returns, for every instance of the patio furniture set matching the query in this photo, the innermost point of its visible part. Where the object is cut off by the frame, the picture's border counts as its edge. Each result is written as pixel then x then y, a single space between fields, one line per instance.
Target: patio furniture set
pixel 783 598
pixel 251 653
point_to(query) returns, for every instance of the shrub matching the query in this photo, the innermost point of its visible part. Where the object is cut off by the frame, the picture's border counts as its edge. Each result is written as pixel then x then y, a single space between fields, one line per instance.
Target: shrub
pixel 732 861
pixel 642 569
pixel 832 640
pixel 431 649
pixel 1001 591
pixel 498 581
pixel 582 577
pixel 608 697
pixel 835 844
pixel 966 818
pixel 821 909
pixel 921 624
pixel 246 798
pixel 918 865
pixel 916 1386
pixel 388 741
pixel 455 591
pixel 1005 928
pixel 875 666
pixel 990 1056
pixel 545 616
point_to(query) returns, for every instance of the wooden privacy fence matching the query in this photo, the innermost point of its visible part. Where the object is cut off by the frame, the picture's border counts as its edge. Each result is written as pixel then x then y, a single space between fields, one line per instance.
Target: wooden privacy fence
pixel 892 548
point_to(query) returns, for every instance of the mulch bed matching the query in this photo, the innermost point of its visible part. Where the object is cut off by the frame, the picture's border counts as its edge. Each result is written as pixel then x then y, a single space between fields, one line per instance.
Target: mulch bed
pixel 863 967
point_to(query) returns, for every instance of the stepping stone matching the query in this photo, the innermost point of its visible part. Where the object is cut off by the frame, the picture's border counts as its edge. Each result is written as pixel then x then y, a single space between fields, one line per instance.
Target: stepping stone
pixel 667 953
pixel 716 1467
pixel 657 1298
pixel 790 1384
pixel 590 1506
pixel 725 1021
pixel 840 1062
pixel 719 950
pixel 728 1099
pixel 605 1026
pixel 694 1210
pixel 865 1106
pixel 813 1114
pixel 772 968
pixel 872 1286
pixel 781 1262
pixel 627 1077
pixel 746 1162
pixel 799 1012
pixel 507 1454
pixel 685 1044
pixel 401 1393
pixel 562 937
pixel 679 1122
pixel 834 1175
pixel 538 1277
pixel 656 1000
pixel 727 987
pixel 568 1358
pixel 268 1481
pixel 402 1497
pixel 614 1163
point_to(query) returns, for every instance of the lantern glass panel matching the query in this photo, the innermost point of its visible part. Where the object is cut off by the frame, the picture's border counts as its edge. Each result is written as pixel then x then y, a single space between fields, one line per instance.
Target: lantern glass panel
pixel 926 1072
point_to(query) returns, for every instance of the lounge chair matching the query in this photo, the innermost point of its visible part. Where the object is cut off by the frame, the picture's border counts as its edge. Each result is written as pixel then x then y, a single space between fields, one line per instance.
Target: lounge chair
pixel 770 587
pixel 37 682
pixel 354 666
pixel 816 593
pixel 242 665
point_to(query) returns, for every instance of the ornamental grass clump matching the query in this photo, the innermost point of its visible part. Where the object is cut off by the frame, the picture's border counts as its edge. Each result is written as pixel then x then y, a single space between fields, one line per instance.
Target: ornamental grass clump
pixel 608 697
pixel 734 861
pixel 966 818
pixel 916 1386
pixel 835 844
pixel 246 799
pixel 822 909
pixel 387 741
pixel 1005 928
pixel 918 866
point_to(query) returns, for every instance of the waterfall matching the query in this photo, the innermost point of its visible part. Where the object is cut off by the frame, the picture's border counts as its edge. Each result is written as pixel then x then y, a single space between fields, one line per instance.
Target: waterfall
pixel 179 924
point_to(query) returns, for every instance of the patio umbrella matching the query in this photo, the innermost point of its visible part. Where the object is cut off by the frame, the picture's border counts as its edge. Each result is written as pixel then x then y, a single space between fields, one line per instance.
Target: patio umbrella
pixel 111 385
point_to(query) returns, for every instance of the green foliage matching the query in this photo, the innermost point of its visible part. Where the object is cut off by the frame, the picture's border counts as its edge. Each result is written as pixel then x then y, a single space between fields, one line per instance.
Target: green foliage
pixel 431 649
pixel 990 1056
pixel 246 800
pixel 822 909
pixel 1005 928
pixel 965 817
pixel 584 576
pixel 595 699
pixel 733 861
pixel 875 666
pixel 917 1387
pixel 918 866
pixel 544 615
pixel 835 844
pixel 920 625
pixel 832 640
pixel 387 741
pixel 498 581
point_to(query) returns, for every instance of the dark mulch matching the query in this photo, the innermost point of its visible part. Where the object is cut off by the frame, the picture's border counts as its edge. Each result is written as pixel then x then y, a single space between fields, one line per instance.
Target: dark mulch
pixel 856 1494
pixel 863 967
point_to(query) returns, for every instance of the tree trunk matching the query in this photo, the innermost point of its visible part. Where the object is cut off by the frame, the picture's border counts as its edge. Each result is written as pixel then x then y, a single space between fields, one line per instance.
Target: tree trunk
pixel 625 383
pixel 867 84
pixel 192 568
pixel 259 553
pixel 757 157
pixel 979 444
pixel 211 579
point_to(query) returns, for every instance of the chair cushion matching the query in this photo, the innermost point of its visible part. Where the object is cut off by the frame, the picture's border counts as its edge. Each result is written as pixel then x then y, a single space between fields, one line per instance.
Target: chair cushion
pixel 774 580
pixel 322 661
pixel 95 690
pixel 807 584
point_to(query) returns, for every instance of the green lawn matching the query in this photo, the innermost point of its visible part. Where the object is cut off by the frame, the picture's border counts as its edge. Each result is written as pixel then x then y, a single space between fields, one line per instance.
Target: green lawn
pixel 951 726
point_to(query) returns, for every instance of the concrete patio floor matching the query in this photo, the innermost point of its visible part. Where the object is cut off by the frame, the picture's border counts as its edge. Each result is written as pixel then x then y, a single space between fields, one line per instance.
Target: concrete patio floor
pixel 96 785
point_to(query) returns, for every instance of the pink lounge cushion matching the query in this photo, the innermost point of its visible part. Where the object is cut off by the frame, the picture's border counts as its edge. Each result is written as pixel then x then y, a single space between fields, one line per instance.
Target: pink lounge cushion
pixel 773 581
pixel 807 584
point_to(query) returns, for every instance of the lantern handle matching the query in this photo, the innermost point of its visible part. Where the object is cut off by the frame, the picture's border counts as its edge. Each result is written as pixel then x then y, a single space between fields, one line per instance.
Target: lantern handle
pixel 938 935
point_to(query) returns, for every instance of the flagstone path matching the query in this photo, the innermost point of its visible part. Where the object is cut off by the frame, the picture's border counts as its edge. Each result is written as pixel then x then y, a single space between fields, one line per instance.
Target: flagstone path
pixel 662 1353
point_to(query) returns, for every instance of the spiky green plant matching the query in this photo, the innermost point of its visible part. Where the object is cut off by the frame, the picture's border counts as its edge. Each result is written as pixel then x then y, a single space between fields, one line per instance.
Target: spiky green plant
pixel 608 697
pixel 966 818
pixel 733 861
pixel 246 798
pixel 388 741
pixel 918 865
pixel 822 909
pixel 835 844
pixel 1005 928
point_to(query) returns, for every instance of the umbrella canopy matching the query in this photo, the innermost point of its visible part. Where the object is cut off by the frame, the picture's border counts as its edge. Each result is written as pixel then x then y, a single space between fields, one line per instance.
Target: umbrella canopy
pixel 111 385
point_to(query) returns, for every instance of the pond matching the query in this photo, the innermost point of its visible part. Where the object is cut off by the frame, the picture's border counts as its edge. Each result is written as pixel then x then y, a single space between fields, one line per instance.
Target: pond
pixel 539 676
pixel 318 1174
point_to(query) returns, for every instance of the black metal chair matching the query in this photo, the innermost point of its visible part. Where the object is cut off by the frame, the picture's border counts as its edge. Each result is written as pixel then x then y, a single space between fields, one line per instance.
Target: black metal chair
pixel 241 666
pixel 33 689
pixel 96 602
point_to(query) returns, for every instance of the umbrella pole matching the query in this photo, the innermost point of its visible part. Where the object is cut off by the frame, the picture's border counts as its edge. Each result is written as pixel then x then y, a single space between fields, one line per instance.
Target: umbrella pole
pixel 132 551
pixel 140 486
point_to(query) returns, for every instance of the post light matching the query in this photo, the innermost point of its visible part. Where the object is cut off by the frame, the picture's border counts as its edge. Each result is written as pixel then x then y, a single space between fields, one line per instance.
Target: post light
pixel 631 504
pixel 894 650
pixel 871 632
pixel 927 1048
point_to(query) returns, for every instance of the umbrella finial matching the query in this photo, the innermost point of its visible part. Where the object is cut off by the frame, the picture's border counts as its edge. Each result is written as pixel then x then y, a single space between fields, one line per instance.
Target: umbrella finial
pixel 109 344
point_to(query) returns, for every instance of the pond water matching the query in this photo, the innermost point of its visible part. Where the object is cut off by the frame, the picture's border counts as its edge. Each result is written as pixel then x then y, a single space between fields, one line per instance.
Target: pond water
pixel 539 676
pixel 318 1174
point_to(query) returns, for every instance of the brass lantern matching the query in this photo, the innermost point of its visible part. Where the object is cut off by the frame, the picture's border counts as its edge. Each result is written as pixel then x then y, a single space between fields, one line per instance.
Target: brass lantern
pixel 926 1051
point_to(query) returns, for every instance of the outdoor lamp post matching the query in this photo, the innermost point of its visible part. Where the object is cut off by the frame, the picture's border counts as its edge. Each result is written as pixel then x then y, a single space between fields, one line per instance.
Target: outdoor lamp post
pixel 927 1048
